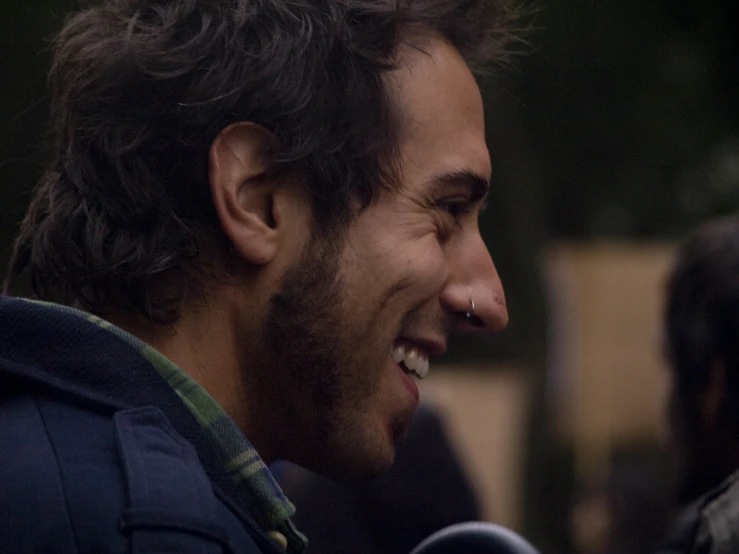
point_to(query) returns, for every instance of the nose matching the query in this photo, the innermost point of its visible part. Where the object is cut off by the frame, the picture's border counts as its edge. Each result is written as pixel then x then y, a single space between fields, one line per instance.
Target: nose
pixel 472 278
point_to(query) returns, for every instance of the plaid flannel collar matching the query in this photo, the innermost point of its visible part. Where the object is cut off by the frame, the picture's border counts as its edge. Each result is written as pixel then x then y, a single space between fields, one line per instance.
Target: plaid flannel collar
pixel 270 508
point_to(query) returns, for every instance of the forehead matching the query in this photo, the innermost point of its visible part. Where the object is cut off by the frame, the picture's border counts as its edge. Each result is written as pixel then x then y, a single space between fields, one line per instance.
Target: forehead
pixel 442 126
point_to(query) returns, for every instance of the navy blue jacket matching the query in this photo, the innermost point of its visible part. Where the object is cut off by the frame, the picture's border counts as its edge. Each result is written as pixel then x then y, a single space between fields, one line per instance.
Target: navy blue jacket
pixel 99 455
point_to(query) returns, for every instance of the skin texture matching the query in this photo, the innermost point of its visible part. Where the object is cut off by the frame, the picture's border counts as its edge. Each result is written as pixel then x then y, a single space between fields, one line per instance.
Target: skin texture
pixel 296 344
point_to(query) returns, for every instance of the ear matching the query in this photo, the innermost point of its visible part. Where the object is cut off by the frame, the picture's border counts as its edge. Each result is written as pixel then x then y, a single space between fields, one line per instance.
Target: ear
pixel 714 396
pixel 242 195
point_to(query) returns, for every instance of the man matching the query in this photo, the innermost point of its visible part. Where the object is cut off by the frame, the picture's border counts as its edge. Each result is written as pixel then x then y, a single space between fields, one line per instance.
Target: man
pixel 259 221
pixel 702 326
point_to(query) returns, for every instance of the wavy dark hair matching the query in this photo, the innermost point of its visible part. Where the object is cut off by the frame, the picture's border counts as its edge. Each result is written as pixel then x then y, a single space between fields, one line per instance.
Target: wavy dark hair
pixel 140 89
pixel 702 315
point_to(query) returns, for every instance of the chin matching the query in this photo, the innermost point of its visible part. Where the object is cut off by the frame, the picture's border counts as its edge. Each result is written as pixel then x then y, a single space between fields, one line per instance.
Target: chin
pixel 358 448
pixel 360 458
pixel 360 466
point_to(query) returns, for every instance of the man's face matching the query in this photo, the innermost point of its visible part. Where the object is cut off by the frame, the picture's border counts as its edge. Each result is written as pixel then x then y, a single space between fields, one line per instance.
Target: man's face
pixel 397 285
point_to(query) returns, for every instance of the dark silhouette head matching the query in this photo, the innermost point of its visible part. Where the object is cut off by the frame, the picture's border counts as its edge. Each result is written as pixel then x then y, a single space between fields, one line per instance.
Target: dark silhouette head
pixel 702 349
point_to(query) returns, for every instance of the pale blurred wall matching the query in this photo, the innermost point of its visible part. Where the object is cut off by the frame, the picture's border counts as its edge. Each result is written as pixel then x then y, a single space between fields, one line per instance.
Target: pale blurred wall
pixel 606 377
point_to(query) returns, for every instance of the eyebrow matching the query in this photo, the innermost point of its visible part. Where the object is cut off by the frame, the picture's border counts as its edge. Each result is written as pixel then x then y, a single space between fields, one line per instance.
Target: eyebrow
pixel 475 184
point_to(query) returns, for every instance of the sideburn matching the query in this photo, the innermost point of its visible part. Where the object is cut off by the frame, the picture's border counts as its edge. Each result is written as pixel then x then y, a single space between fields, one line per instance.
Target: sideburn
pixel 301 331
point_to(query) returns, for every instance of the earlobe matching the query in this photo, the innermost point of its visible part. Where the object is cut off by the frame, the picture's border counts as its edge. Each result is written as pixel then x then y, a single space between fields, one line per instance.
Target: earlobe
pixel 242 194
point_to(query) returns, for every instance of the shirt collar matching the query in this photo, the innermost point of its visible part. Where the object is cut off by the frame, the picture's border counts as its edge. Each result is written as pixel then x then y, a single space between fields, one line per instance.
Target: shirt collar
pixel 269 506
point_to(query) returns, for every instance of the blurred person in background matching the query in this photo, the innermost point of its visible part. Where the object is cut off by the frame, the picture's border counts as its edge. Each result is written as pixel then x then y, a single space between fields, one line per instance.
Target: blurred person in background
pixel 624 511
pixel 701 322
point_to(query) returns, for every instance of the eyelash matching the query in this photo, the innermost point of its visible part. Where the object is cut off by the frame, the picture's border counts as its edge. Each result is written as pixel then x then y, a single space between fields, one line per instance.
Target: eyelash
pixel 455 209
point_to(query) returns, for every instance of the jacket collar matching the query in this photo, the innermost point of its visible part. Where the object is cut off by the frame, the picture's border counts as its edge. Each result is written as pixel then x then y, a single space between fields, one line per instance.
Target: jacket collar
pixel 90 361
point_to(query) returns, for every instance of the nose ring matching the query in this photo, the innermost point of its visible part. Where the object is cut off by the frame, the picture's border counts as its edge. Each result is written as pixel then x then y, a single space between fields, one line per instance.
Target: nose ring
pixel 472 309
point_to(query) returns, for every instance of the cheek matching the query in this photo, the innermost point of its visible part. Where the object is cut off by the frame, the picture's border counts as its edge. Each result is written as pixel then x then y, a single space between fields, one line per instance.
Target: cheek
pixel 423 271
pixel 395 273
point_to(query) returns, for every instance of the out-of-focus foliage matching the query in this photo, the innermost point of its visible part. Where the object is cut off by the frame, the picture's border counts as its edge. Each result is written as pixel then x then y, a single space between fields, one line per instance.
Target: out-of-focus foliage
pixel 632 109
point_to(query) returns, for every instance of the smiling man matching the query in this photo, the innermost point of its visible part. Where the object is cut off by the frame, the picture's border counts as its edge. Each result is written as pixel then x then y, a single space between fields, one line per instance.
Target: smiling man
pixel 260 224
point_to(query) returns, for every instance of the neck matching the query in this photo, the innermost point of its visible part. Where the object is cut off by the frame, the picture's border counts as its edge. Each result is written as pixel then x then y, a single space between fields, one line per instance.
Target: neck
pixel 203 344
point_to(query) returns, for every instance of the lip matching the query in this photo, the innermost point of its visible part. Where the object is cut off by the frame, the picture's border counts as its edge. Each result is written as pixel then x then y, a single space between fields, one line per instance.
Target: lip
pixel 409 384
pixel 428 345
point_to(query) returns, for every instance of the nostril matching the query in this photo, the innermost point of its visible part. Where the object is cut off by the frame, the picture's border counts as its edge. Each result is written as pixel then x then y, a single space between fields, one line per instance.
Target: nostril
pixel 475 321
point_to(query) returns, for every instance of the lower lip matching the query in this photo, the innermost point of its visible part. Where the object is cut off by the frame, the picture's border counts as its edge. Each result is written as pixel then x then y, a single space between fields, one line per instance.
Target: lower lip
pixel 409 384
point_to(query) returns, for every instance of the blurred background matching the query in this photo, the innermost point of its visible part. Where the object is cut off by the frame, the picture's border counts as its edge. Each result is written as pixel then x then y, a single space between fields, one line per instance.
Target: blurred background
pixel 615 134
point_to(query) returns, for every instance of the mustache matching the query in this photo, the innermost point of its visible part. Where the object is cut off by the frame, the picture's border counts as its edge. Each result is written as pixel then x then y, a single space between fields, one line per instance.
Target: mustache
pixel 437 321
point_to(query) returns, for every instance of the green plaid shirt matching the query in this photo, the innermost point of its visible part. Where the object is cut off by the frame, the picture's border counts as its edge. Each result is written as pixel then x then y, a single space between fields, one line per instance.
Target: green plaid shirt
pixel 270 508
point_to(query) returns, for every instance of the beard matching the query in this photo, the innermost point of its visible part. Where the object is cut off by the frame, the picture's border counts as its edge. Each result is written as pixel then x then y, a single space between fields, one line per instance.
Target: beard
pixel 302 330
pixel 325 365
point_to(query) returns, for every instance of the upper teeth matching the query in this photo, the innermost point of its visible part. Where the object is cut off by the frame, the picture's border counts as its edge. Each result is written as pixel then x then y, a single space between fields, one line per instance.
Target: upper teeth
pixel 414 359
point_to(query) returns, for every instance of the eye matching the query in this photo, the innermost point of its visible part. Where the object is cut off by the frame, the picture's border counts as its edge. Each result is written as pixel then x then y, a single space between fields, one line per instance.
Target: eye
pixel 455 208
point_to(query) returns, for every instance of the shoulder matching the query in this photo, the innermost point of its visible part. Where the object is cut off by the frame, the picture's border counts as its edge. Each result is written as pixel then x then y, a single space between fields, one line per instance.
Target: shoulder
pixel 60 483
pixel 78 479
pixel 718 527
